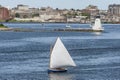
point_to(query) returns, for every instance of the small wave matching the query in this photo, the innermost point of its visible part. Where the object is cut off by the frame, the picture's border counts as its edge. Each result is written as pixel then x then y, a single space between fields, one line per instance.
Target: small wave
pixel 23 51
pixel 98 60
pixel 24 67
pixel 95 48
pixel 115 67
pixel 12 44
pixel 46 40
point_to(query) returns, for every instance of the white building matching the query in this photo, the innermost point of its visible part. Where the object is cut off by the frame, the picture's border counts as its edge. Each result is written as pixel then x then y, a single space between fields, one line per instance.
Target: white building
pixel 22 7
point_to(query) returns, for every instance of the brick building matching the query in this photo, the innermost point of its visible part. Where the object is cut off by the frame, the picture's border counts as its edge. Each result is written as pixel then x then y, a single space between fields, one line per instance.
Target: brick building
pixel 91 9
pixel 4 13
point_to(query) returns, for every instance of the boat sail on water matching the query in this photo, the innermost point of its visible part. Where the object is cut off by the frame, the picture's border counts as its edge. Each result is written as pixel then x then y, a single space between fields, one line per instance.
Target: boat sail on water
pixel 60 59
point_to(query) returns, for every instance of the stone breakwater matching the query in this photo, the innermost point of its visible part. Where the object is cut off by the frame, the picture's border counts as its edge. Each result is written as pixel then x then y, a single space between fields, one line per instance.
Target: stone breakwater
pixel 52 30
pixel 78 29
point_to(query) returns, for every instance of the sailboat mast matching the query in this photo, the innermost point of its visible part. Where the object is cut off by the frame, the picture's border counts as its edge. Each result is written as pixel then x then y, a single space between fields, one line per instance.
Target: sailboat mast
pixel 50 54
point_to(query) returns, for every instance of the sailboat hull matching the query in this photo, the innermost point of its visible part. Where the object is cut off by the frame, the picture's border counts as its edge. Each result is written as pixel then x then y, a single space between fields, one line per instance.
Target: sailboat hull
pixel 56 70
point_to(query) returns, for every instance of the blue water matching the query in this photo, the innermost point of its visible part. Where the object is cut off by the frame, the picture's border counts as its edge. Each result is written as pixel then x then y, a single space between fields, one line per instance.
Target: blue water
pixel 25 55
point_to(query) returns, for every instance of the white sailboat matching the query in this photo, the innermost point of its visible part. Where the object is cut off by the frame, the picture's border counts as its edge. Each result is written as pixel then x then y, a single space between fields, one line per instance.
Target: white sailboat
pixel 60 58
pixel 97 25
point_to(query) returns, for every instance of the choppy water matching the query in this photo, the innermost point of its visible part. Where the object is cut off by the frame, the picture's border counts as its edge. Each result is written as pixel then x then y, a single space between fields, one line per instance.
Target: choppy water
pixel 25 55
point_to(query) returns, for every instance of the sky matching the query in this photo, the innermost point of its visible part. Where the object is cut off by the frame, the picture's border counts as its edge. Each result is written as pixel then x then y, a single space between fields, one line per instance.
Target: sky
pixel 61 4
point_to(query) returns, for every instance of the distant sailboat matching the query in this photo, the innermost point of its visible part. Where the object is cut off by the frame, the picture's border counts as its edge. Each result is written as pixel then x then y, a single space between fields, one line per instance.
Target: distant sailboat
pixel 60 58
pixel 97 25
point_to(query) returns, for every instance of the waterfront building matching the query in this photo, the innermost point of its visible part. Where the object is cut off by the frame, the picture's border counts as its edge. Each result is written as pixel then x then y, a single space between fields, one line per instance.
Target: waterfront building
pixel 46 9
pixel 4 13
pixel 103 15
pixel 23 11
pixel 114 9
pixel 52 16
pixel 91 9
pixel 48 14
pixel 22 7
pixel 90 12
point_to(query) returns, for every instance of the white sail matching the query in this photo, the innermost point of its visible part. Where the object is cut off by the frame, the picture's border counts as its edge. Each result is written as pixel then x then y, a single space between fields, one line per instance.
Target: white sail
pixel 60 56
pixel 97 25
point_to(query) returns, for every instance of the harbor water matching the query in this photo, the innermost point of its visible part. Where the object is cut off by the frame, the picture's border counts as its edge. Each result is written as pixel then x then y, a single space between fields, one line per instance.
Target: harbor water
pixel 25 55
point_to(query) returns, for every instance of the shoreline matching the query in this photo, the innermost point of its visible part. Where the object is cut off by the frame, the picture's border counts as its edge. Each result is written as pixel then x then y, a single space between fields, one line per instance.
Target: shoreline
pixel 59 22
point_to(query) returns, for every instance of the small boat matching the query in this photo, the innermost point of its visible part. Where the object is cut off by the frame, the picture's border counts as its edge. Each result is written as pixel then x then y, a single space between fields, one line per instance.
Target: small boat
pixel 60 59
pixel 68 26
pixel 97 25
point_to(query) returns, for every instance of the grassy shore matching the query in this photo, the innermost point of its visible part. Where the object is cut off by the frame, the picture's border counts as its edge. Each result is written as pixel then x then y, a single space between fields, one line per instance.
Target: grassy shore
pixel 3 26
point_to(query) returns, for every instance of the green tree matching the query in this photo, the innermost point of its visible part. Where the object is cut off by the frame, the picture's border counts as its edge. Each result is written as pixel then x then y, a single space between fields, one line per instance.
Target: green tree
pixel 86 14
pixel 35 15
pixel 25 16
pixel 17 15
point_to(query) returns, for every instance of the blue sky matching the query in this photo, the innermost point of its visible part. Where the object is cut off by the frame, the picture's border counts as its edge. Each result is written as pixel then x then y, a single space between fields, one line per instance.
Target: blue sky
pixel 68 4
